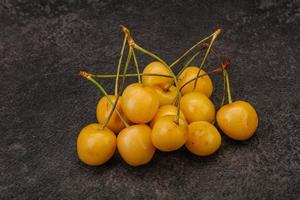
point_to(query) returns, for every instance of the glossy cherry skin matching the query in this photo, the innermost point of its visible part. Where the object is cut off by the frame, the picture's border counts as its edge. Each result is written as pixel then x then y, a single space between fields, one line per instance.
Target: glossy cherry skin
pixel 164 111
pixel 238 120
pixel 156 68
pixel 203 138
pixel 103 110
pixel 95 145
pixel 139 103
pixel 204 83
pixel 197 107
pixel 167 135
pixel 165 97
pixel 134 145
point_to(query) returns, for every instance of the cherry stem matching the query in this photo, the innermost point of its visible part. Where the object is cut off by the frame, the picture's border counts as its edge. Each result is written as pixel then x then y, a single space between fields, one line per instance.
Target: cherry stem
pixel 119 65
pixel 194 46
pixel 136 66
pixel 224 89
pixel 111 112
pixel 128 75
pixel 99 86
pixel 219 69
pixel 150 54
pixel 216 55
pixel 188 62
pixel 214 36
pixel 168 67
pixel 205 45
pixel 126 67
pixel 228 86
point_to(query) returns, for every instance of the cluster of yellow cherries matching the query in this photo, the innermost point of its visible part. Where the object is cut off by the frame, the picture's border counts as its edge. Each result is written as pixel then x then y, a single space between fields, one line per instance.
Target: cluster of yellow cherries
pixel 162 110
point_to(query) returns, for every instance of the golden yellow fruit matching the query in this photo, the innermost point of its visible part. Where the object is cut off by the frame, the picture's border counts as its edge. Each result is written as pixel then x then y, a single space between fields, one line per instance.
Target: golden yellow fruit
pixel 164 111
pixel 238 120
pixel 103 110
pixel 139 103
pixel 167 135
pixel 156 68
pixel 203 138
pixel 134 145
pixel 95 145
pixel 165 96
pixel 197 107
pixel 204 83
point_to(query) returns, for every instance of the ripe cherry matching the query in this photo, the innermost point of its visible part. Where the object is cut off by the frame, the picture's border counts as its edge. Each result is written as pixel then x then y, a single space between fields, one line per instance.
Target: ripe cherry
pixel 167 135
pixel 164 111
pixel 165 96
pixel 203 138
pixel 156 68
pixel 238 120
pixel 134 145
pixel 204 83
pixel 103 110
pixel 96 145
pixel 197 107
pixel 139 103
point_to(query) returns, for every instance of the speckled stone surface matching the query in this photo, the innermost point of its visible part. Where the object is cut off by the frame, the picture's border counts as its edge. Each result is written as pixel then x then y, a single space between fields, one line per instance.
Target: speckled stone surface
pixel 44 103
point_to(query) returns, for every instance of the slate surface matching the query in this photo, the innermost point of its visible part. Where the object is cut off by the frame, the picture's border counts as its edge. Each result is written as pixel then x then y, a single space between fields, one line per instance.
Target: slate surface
pixel 44 103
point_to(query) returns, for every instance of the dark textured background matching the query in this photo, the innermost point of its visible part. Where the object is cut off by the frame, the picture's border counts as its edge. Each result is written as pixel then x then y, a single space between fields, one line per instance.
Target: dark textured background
pixel 44 103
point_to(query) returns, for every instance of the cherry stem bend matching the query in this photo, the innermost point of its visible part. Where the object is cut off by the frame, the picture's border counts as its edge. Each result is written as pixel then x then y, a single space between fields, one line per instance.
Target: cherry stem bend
pixel 99 86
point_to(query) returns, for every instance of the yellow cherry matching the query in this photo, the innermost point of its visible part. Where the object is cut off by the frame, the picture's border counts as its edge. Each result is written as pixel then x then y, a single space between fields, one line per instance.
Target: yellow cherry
pixel 156 68
pixel 103 110
pixel 164 111
pixel 134 145
pixel 204 83
pixel 167 135
pixel 165 96
pixel 139 103
pixel 96 145
pixel 203 138
pixel 197 107
pixel 238 120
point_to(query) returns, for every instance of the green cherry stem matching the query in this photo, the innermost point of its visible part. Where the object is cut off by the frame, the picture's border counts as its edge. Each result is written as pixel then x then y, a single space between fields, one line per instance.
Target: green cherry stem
pixel 136 66
pixel 119 65
pixel 188 63
pixel 224 89
pixel 219 69
pixel 193 47
pixel 214 36
pixel 205 45
pixel 126 68
pixel 99 86
pixel 111 112
pixel 128 75
pixel 150 54
pixel 228 87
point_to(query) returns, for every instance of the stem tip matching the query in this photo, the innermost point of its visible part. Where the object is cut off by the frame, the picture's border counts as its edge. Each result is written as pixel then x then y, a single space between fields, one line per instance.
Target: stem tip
pixel 128 36
pixel 225 64
pixel 124 29
pixel 84 74
pixel 218 31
